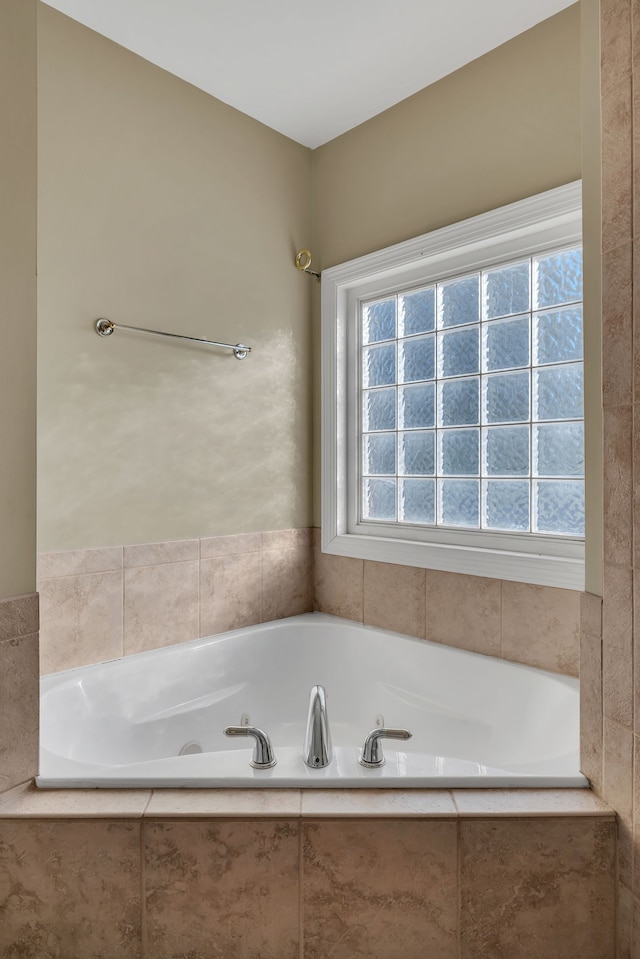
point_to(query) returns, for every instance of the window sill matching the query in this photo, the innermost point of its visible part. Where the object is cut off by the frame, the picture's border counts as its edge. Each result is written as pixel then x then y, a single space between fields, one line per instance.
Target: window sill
pixel 539 569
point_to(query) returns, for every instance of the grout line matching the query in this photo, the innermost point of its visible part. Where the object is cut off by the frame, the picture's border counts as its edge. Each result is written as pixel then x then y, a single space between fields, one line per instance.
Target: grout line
pixel 616 722
pixel 426 604
pixel 19 637
pixel 148 803
pixel 634 854
pixel 261 598
pixel 122 571
pixel 314 603
pixel 173 562
pixel 459 884
pixel 13 791
pixel 143 892
pixel 300 885
pixel 87 572
pixel 501 619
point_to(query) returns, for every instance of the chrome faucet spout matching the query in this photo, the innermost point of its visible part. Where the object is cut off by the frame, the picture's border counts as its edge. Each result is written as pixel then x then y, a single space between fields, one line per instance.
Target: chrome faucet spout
pixel 317 744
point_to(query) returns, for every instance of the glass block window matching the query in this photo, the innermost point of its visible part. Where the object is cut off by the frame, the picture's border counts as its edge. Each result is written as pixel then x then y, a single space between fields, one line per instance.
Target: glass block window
pixel 471 400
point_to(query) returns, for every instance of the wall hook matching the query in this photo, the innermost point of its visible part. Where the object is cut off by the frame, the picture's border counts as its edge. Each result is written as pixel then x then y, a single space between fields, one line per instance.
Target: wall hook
pixel 303 262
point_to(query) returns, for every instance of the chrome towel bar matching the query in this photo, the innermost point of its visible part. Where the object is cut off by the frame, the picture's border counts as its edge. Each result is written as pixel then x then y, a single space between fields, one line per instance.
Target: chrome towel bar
pixel 105 327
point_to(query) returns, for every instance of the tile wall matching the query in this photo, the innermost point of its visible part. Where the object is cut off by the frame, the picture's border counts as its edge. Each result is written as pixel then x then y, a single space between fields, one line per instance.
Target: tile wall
pixel 284 875
pixel 19 690
pixel 535 625
pixel 99 604
pixel 610 679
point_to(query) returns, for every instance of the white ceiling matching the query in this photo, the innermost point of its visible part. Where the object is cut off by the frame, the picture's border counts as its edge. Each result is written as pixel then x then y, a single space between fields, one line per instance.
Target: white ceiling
pixel 310 71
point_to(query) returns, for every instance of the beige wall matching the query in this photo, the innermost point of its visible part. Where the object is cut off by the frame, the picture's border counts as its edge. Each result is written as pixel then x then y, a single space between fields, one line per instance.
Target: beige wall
pixel 161 206
pixel 502 128
pixel 17 295
pixel 153 199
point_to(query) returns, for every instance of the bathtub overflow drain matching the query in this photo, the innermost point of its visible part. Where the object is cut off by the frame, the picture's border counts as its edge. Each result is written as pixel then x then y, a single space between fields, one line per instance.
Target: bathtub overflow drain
pixel 189 749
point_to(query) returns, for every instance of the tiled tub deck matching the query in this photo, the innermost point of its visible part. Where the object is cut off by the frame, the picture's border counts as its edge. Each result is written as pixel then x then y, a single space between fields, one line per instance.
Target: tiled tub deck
pixel 285 874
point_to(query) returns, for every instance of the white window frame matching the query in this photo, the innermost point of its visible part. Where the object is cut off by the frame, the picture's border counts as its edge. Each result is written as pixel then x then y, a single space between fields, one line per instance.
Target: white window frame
pixel 544 222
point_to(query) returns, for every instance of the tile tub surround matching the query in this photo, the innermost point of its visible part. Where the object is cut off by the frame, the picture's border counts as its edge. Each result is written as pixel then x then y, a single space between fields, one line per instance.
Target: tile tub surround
pixel 100 604
pixel 535 625
pixel 611 737
pixel 390 875
pixel 19 690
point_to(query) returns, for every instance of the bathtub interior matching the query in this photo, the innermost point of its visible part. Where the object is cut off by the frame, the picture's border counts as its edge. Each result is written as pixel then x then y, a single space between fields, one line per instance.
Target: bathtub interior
pixel 131 718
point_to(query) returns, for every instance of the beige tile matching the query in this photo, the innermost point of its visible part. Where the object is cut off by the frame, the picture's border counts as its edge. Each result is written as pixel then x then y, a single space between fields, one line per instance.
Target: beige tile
pixel 19 616
pixel 636 651
pixel 70 889
pixel 488 803
pixel 636 131
pixel 13 794
pixel 634 518
pixel 303 537
pixel 541 626
pixel 591 708
pixel 465 611
pixel 226 803
pixel 617 645
pixel 635 827
pixel 615 28
pixel 280 539
pixel 624 922
pixel 222 889
pixel 73 562
pixel 211 547
pixel 394 598
pixel 618 483
pixel 377 803
pixel 287 538
pixel 160 606
pixel 287 588
pixel 537 889
pixel 316 536
pixel 155 554
pixel 230 594
pixel 635 35
pixel 617 323
pixel 618 768
pixel 32 803
pixel 19 710
pixel 618 790
pixel 591 614
pixel 385 890
pixel 636 929
pixel 624 852
pixel 339 585
pixel 616 165
pixel 80 620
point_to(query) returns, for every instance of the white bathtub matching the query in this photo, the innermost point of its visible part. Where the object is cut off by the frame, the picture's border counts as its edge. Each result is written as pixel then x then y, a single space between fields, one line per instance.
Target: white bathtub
pixel 476 721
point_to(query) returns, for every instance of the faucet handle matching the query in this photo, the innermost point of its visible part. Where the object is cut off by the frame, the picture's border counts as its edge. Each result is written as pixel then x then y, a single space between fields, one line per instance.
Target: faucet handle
pixel 372 755
pixel 263 755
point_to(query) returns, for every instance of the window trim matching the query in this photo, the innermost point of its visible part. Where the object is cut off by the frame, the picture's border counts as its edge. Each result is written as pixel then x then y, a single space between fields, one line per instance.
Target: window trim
pixel 533 225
